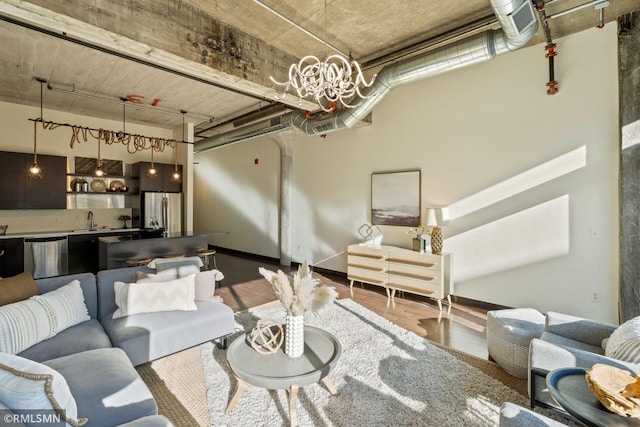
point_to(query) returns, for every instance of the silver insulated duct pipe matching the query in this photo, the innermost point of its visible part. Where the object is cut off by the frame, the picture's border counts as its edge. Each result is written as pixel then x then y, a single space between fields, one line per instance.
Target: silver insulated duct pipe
pixel 517 19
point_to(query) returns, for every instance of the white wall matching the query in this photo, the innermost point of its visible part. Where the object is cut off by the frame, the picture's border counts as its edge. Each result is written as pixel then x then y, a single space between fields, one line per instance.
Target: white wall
pixel 234 194
pixel 529 178
pixel 17 135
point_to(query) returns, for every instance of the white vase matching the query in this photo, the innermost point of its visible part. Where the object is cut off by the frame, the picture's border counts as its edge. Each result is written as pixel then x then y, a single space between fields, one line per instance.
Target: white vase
pixel 294 336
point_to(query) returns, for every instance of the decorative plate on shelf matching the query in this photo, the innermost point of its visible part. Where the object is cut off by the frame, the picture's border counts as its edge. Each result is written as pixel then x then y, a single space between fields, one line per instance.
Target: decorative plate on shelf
pixel 115 185
pixel 73 183
pixel 98 185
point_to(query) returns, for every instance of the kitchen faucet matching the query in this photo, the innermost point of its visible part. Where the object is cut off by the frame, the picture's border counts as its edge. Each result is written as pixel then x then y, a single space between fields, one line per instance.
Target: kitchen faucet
pixel 92 225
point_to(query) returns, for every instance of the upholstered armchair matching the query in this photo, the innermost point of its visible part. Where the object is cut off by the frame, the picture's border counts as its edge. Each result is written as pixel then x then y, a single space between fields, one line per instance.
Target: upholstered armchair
pixel 568 342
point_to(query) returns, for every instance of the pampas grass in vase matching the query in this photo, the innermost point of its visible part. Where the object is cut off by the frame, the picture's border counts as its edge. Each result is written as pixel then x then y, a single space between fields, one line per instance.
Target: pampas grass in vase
pixel 298 298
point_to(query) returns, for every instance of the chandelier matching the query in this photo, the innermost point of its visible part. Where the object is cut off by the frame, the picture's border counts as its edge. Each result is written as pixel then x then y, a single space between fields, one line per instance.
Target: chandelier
pixel 332 81
pixel 337 79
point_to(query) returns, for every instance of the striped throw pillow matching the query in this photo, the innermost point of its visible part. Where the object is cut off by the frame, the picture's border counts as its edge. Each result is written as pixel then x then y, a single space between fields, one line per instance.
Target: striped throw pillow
pixel 25 323
pixel 66 306
pixel 624 342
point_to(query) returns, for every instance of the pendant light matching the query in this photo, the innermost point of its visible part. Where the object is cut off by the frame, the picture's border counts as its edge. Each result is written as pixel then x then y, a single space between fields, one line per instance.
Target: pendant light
pixel 175 177
pixel 34 171
pixel 152 172
pixel 99 170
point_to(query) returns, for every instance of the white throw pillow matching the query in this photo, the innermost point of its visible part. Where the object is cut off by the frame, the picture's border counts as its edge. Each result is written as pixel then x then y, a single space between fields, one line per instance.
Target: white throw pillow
pixel 29 385
pixel 205 282
pixel 67 305
pixel 29 322
pixel 135 298
pixel 186 260
pixel 624 342
pixel 23 324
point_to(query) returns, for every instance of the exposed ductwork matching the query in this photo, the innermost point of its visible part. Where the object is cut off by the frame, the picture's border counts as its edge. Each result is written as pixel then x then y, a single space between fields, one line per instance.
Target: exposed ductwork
pixel 517 19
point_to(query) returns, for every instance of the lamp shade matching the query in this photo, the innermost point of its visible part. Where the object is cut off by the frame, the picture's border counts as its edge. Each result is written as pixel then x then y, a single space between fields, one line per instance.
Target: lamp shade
pixel 436 216
pixel 432 221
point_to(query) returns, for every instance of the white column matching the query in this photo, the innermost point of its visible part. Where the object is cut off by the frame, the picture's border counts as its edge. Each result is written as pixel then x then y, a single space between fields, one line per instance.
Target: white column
pixel 285 142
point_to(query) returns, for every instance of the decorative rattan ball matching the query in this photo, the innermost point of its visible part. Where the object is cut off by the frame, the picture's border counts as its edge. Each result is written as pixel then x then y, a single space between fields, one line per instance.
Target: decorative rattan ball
pixel 267 336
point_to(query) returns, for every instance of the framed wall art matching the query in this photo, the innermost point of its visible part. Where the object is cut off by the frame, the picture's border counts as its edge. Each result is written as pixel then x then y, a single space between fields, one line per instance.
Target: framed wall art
pixel 395 198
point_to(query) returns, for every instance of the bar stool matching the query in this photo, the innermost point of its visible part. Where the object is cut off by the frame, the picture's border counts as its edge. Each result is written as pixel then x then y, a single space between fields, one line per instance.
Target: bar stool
pixel 138 261
pixel 173 256
pixel 208 255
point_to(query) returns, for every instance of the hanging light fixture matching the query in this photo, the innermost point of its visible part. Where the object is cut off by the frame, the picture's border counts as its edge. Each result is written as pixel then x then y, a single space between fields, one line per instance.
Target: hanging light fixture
pixel 152 172
pixel 99 170
pixel 175 177
pixel 34 171
pixel 337 79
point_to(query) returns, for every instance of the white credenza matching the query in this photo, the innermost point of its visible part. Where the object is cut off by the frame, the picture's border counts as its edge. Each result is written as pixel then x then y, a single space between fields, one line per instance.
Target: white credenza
pixel 398 269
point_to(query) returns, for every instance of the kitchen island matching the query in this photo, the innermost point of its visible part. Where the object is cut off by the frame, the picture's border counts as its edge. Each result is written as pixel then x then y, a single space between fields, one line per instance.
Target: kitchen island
pixel 116 250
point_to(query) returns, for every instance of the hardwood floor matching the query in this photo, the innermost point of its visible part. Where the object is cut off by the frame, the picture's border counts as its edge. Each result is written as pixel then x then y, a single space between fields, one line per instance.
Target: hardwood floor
pixel 461 326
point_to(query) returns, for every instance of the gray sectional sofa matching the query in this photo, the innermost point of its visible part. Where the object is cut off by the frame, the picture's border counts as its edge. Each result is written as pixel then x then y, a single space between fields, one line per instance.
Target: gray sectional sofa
pixel 97 357
pixel 568 342
pixel 149 336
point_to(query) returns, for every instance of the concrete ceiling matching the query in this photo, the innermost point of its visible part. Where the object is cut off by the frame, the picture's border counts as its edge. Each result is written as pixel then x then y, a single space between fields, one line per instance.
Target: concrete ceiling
pixel 213 58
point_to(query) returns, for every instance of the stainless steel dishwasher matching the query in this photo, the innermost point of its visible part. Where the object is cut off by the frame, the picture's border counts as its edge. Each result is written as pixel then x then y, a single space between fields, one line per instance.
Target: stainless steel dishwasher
pixel 46 256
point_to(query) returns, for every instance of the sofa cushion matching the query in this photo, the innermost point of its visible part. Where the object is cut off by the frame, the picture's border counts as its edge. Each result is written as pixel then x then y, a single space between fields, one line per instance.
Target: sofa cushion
pixel 29 322
pixel 149 336
pixel 134 298
pixel 107 388
pixel 84 336
pixel 571 343
pixel 205 281
pixel 29 385
pixel 624 343
pixel 17 288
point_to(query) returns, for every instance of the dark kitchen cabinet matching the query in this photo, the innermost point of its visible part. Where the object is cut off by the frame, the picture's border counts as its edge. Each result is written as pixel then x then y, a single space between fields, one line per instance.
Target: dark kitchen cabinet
pixel 21 192
pixel 83 253
pixel 50 192
pixel 84 250
pixel 11 257
pixel 162 182
pixel 13 181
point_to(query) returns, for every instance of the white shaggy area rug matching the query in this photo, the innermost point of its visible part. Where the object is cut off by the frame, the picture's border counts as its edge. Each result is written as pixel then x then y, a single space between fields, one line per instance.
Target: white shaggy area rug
pixel 386 376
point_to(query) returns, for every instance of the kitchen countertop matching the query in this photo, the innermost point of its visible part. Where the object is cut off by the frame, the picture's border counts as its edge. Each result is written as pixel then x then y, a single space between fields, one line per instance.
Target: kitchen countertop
pixel 114 239
pixel 42 234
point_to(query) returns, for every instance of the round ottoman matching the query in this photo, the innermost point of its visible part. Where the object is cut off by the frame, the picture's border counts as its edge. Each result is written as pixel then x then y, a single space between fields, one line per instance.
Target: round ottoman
pixel 509 333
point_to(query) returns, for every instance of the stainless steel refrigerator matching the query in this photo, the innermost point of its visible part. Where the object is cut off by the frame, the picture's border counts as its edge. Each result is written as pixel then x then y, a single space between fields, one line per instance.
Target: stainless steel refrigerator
pixel 162 211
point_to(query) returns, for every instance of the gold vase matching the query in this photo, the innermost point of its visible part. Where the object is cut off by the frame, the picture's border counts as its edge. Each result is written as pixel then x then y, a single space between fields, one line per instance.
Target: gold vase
pixel 436 240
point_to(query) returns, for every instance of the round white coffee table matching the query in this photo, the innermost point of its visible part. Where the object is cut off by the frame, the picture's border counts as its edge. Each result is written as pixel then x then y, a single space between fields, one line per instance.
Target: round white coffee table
pixel 279 371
